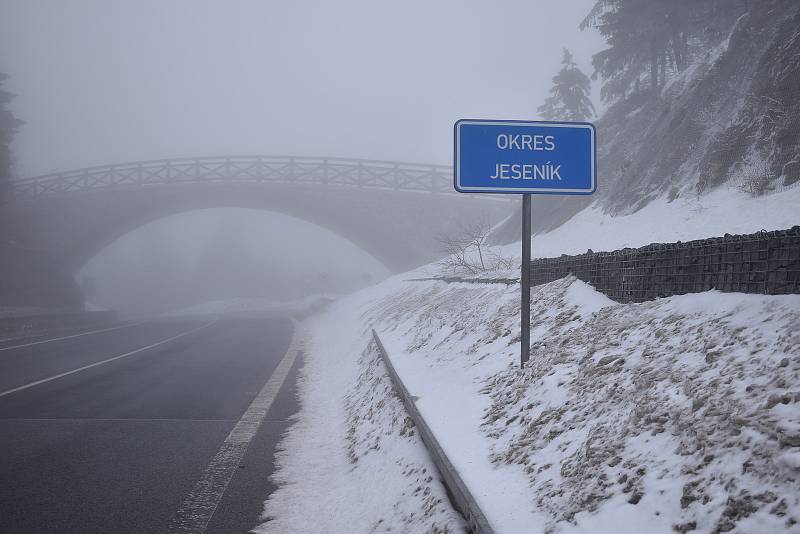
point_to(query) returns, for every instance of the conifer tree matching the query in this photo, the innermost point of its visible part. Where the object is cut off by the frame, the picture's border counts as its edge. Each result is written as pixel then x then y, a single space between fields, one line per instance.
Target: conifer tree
pixel 8 127
pixel 647 40
pixel 569 98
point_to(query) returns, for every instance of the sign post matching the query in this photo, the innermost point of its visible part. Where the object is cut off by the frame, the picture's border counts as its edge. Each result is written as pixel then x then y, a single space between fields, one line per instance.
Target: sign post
pixel 526 158
pixel 525 283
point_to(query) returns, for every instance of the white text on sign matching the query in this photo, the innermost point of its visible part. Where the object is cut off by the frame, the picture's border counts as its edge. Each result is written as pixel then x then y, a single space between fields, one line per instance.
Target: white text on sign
pixel 507 171
pixel 535 143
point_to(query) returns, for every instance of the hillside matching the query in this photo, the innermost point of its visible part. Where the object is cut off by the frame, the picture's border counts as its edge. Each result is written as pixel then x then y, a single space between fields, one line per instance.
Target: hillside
pixel 730 119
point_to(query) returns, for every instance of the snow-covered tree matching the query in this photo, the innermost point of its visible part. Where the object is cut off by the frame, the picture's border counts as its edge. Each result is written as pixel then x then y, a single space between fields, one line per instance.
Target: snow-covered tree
pixel 8 127
pixel 569 98
pixel 649 39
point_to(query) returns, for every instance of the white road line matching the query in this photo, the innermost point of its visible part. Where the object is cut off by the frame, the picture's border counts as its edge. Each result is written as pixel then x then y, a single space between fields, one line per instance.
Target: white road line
pixel 199 506
pixel 71 336
pixel 79 369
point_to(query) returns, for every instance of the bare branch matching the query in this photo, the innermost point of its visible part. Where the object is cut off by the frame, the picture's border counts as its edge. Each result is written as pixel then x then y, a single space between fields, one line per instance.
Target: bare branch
pixel 467 251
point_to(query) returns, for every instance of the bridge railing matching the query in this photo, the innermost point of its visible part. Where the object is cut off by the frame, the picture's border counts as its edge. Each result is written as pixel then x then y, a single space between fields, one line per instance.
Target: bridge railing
pixel 244 169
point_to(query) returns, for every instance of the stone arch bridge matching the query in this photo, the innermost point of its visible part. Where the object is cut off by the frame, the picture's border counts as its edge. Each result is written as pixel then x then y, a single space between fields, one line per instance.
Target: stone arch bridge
pixel 394 211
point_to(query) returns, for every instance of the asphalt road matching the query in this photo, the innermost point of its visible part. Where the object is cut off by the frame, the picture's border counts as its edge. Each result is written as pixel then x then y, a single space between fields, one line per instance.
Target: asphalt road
pixel 118 446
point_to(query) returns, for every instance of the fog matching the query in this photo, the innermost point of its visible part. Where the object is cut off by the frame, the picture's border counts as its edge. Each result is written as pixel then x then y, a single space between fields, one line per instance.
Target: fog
pixel 206 256
pixel 100 82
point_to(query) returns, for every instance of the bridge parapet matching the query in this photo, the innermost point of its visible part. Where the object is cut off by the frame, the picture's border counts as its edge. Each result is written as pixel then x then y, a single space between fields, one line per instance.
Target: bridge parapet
pixel 393 210
pixel 343 172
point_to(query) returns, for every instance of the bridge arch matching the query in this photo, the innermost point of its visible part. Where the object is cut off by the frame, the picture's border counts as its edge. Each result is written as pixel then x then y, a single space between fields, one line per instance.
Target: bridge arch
pixel 394 211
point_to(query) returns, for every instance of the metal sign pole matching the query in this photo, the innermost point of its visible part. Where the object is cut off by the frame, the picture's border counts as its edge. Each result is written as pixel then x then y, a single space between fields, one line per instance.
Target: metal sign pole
pixel 524 158
pixel 525 282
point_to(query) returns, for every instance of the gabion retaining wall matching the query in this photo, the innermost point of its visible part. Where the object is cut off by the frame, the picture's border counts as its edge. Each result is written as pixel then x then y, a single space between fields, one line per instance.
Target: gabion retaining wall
pixel 765 263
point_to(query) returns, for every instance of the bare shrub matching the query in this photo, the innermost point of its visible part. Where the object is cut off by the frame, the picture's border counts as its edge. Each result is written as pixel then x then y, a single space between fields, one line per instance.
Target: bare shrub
pixel 757 180
pixel 468 253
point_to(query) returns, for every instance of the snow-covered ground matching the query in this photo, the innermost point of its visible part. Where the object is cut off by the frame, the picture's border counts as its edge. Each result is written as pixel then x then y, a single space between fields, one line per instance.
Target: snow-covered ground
pixel 671 414
pixel 724 210
pixel 352 462
pixel 675 415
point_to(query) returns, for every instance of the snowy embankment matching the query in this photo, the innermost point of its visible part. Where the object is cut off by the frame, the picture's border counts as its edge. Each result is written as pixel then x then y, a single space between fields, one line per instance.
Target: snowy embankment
pixel 676 414
pixel 352 461
pixel 723 211
pixel 680 414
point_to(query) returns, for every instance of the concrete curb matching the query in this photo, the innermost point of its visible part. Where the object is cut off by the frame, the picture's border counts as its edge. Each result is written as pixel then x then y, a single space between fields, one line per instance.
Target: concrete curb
pixel 460 495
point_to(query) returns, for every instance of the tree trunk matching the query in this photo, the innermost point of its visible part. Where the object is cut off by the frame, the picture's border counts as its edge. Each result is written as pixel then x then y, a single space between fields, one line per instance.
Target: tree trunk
pixel 679 50
pixel 653 66
pixel 684 50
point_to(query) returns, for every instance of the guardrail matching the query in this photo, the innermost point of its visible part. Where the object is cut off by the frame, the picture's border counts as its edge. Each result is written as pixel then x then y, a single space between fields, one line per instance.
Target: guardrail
pixel 20 327
pixel 460 495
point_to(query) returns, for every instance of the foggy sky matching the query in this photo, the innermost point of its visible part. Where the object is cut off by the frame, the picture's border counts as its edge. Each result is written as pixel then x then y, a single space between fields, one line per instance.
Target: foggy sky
pixel 107 81
pixel 215 254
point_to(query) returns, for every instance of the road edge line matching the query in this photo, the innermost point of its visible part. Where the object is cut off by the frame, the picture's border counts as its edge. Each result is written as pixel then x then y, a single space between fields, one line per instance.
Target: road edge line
pixel 458 491
pixel 199 506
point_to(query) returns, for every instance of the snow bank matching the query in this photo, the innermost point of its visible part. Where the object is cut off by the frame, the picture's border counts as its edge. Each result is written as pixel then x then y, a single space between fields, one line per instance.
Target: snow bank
pixel 679 414
pixel 352 461
pixel 684 219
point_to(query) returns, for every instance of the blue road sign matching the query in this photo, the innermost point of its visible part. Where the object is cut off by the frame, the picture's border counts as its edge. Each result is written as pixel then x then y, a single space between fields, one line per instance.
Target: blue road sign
pixel 525 157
